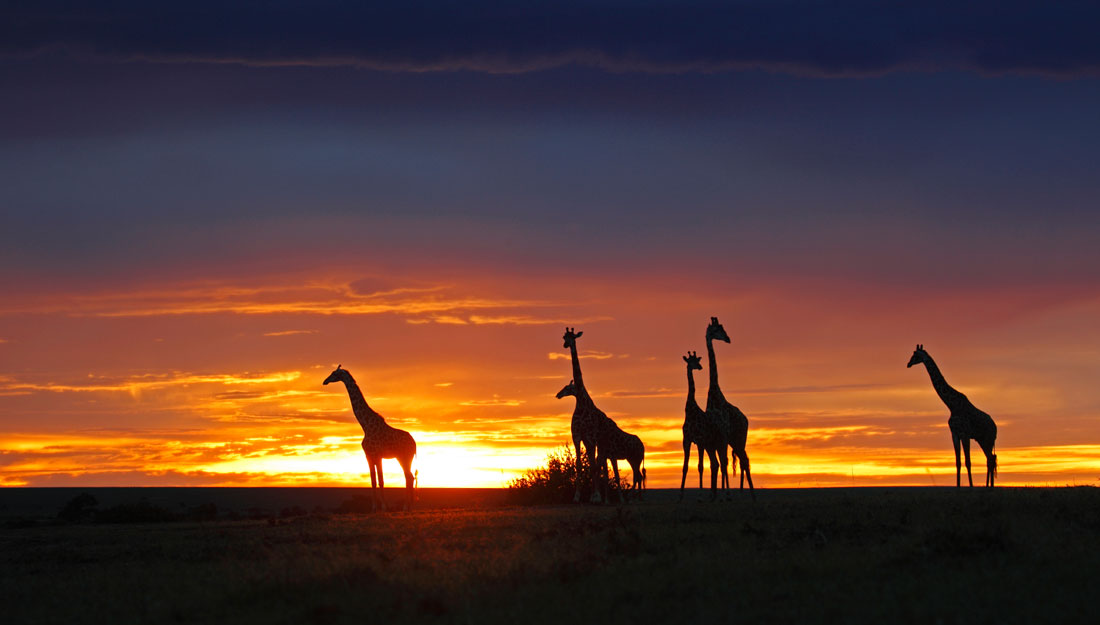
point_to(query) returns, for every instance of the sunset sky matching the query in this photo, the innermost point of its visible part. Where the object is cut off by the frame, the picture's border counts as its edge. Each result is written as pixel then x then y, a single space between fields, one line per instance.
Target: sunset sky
pixel 206 209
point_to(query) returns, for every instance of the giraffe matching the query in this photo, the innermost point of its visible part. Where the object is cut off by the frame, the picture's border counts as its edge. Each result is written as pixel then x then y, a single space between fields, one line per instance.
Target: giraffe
pixel 614 444
pixel 634 454
pixel 723 410
pixel 702 430
pixel 587 418
pixel 380 440
pixel 966 422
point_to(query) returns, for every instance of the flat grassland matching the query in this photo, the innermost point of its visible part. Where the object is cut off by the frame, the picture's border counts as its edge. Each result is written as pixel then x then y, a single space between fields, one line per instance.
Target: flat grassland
pixel 851 555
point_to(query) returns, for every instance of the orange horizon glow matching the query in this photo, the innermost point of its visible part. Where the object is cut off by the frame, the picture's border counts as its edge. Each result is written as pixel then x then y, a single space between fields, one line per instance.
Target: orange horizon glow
pixel 220 384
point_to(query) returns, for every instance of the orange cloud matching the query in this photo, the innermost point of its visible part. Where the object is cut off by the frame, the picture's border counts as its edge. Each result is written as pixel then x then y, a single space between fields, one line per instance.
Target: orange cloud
pixel 147 382
pixel 594 355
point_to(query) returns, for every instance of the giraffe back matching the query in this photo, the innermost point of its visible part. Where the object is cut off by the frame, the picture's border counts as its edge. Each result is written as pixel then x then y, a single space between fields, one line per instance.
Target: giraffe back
pixel 970 422
pixel 701 429
pixel 616 444
pixel 383 440
pixel 587 421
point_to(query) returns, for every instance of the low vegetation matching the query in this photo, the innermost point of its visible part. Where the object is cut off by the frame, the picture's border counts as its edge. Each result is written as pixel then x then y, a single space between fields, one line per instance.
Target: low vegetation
pixel 84 508
pixel 866 556
pixel 557 481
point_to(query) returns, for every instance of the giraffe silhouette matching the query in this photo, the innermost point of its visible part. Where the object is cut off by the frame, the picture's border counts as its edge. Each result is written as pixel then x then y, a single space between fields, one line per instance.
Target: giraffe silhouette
pixel 587 418
pixel 723 410
pixel 380 440
pixel 614 444
pixel 966 421
pixel 704 431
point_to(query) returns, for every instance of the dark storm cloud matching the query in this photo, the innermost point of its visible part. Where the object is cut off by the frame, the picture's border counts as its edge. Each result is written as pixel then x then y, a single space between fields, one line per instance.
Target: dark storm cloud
pixel 805 38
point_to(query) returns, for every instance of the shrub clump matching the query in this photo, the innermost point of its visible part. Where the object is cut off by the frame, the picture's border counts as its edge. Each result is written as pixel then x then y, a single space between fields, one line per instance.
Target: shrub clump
pixel 84 508
pixel 557 481
pixel 138 512
pixel 79 509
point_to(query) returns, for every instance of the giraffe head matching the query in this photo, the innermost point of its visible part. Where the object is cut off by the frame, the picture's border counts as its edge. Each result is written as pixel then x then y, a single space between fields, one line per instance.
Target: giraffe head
pixel 715 331
pixel 567 390
pixel 570 338
pixel 338 375
pixel 919 356
pixel 693 361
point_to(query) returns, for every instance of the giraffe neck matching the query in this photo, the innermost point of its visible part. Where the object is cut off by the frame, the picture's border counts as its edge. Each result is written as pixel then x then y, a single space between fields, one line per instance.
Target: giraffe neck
pixel 578 382
pixel 714 390
pixel 363 413
pixel 947 394
pixel 691 386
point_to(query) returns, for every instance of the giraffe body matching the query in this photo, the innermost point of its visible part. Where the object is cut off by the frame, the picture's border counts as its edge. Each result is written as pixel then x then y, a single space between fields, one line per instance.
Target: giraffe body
pixel 966 422
pixel 704 431
pixel 380 441
pixel 720 409
pixel 614 444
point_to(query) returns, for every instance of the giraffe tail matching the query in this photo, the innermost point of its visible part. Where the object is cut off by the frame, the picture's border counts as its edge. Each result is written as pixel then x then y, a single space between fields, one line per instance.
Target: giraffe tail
pixel 993 452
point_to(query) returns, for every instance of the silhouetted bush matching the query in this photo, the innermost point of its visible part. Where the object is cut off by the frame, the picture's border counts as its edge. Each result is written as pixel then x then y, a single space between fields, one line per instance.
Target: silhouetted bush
pixel 79 509
pixel 85 509
pixel 138 512
pixel 556 482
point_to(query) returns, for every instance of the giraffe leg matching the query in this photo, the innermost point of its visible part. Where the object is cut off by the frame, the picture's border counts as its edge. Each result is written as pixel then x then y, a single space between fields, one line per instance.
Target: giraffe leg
pixel 725 474
pixel 733 467
pixel 988 468
pixel 992 467
pixel 602 492
pixel 714 472
pixel 701 467
pixel 958 462
pixel 966 454
pixel 577 469
pixel 618 484
pixel 373 482
pixel 992 462
pixel 684 475
pixel 381 487
pixel 746 472
pixel 596 471
pixel 639 481
pixel 723 464
pixel 406 466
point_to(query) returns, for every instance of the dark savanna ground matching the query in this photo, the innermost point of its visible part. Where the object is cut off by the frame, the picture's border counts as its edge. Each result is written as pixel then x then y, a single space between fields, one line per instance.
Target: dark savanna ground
pixel 845 555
